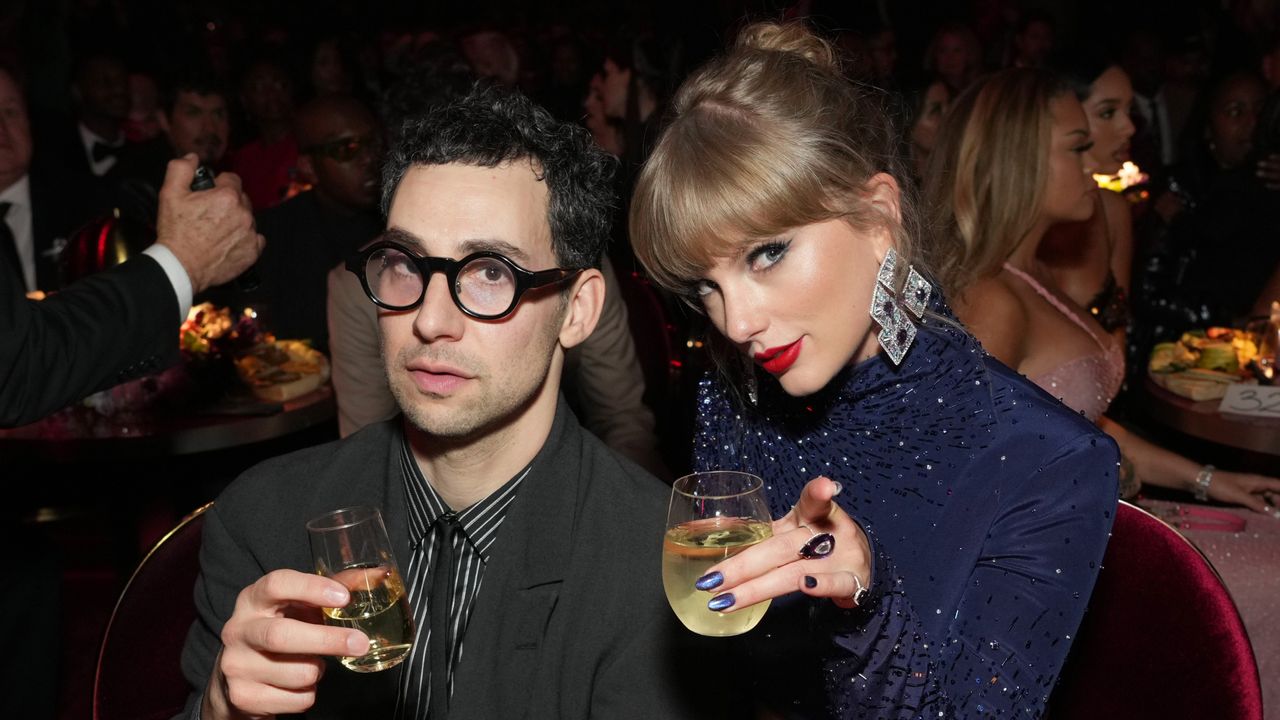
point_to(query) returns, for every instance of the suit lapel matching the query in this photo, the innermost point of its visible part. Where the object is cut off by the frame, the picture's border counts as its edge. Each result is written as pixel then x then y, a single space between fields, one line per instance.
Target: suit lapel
pixel 522 582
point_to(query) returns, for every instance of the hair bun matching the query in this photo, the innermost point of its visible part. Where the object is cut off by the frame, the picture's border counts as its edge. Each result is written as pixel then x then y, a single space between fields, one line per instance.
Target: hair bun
pixel 794 38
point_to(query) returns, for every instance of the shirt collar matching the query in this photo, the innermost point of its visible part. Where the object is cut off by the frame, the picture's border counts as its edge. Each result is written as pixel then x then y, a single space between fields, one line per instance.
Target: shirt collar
pixel 18 193
pixel 479 522
pixel 89 138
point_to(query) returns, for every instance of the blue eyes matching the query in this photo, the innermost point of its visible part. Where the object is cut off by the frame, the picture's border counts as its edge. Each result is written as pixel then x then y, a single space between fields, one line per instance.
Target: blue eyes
pixel 762 257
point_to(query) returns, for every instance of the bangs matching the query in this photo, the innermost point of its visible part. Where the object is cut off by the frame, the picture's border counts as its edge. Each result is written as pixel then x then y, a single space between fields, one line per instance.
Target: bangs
pixel 715 181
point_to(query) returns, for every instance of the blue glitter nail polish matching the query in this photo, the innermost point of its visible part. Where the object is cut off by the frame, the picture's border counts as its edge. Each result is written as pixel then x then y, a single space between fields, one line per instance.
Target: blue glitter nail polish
pixel 810 581
pixel 710 581
pixel 721 602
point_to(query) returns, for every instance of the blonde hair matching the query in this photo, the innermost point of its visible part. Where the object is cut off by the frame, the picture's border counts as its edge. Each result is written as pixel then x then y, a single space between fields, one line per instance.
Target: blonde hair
pixel 987 174
pixel 768 137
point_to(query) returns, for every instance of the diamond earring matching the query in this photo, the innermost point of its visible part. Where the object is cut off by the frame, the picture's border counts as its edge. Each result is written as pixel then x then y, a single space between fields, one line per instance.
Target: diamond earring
pixel 897 332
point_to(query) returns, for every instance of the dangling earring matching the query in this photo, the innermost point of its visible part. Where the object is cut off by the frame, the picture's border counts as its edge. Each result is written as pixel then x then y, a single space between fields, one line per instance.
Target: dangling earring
pixel 897 332
pixel 753 390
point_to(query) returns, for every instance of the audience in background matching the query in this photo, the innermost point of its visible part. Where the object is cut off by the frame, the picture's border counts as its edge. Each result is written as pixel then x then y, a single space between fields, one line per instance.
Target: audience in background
pixel 267 163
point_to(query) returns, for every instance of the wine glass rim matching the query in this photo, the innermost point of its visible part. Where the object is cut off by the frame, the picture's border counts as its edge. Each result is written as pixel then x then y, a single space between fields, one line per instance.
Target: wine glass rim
pixel 357 514
pixel 756 484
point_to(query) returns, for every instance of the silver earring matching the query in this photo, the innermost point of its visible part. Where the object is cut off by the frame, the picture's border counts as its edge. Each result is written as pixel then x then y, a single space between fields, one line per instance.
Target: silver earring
pixel 897 332
pixel 753 390
pixel 915 294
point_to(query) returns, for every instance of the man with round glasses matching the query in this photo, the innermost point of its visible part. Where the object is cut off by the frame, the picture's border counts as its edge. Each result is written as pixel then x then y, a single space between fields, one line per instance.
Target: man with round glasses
pixel 486 275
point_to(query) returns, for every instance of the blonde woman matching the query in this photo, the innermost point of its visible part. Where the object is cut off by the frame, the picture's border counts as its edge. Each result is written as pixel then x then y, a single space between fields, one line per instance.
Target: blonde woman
pixel 1013 158
pixel 940 520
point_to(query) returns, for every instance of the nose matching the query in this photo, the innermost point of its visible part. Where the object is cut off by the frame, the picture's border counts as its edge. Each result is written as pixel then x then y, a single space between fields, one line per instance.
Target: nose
pixel 742 318
pixel 1127 129
pixel 438 319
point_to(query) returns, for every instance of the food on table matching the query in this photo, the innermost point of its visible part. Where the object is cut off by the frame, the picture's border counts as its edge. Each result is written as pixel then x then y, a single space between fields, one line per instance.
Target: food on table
pixel 1202 363
pixel 282 370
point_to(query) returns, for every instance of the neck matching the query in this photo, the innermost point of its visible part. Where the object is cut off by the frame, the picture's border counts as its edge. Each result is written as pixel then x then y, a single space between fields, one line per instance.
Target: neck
pixel 1023 256
pixel 104 127
pixel 465 471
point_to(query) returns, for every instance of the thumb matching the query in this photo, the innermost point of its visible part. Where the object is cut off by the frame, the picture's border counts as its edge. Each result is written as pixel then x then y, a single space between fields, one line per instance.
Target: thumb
pixel 180 173
pixel 816 500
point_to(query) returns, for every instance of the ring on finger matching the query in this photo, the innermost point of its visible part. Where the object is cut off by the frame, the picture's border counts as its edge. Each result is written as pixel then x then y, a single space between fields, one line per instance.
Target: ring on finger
pixel 819 545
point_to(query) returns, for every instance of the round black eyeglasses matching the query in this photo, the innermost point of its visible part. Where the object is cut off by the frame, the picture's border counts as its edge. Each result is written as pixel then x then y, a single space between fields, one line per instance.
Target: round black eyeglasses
pixel 484 285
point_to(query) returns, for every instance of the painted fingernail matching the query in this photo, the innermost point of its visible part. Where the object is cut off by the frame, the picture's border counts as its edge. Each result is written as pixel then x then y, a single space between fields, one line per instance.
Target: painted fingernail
pixel 810 581
pixel 837 489
pixel 710 581
pixel 357 644
pixel 720 602
pixel 335 597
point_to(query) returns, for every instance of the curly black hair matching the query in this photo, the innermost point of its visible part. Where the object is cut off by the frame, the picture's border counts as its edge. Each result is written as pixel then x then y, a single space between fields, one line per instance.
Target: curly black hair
pixel 491 126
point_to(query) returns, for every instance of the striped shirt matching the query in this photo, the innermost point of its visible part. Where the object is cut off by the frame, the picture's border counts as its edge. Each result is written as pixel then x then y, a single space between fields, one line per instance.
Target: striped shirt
pixel 471 548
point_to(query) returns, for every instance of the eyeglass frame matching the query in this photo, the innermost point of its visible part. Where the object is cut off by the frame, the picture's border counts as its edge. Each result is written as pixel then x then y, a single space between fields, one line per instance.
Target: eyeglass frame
pixel 370 142
pixel 428 265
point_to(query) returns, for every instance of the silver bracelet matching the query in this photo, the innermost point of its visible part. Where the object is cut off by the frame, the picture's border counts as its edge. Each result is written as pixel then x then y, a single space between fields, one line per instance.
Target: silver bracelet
pixel 1203 480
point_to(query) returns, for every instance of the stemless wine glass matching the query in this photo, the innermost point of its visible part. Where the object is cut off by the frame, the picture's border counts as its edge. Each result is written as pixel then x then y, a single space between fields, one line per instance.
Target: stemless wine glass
pixel 713 515
pixel 351 546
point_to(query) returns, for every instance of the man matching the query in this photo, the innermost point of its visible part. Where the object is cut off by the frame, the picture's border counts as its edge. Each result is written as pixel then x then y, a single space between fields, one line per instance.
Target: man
pixel 564 617
pixel 267 162
pixel 193 119
pixel 100 92
pixel 341 149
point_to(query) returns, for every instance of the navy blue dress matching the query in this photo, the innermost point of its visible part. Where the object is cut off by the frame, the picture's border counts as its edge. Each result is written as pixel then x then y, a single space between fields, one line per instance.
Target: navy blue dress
pixel 987 503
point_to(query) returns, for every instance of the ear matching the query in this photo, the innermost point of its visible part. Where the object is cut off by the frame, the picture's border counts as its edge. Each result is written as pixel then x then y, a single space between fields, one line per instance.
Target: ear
pixel 306 168
pixel 586 298
pixel 884 194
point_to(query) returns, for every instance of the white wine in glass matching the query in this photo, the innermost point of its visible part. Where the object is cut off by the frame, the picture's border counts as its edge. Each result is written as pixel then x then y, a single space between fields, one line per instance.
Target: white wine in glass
pixel 351 546
pixel 713 516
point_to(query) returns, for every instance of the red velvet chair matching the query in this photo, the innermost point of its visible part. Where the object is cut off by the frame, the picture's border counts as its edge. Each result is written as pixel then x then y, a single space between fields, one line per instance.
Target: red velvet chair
pixel 138 675
pixel 1162 637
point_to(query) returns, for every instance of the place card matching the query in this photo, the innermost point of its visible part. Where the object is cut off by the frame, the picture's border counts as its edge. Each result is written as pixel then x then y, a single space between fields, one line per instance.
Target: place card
pixel 1253 400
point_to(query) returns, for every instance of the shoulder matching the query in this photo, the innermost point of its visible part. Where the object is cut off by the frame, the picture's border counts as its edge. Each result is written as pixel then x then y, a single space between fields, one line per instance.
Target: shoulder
pixel 997 316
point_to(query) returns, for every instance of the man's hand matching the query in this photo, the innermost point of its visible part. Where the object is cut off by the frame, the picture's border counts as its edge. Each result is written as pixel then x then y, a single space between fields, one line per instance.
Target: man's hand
pixel 211 232
pixel 271 659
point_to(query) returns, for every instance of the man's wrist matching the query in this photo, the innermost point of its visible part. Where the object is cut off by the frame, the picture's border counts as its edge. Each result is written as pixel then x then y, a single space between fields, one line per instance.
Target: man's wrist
pixel 178 276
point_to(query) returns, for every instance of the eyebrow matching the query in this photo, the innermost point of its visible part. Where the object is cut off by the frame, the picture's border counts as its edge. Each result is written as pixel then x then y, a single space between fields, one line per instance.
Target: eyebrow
pixel 405 237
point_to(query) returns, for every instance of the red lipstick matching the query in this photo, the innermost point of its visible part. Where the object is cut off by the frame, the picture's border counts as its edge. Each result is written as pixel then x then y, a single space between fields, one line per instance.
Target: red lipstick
pixel 779 359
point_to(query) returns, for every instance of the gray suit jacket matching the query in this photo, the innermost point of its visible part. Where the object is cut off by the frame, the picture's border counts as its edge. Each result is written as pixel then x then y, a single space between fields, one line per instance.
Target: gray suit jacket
pixel 570 622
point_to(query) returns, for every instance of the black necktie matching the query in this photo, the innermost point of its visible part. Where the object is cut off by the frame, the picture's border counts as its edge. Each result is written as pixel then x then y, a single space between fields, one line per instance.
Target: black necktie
pixel 9 252
pixel 102 151
pixel 445 529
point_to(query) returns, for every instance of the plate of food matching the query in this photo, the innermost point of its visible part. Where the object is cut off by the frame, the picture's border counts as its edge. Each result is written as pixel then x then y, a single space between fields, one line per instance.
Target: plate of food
pixel 281 370
pixel 1203 363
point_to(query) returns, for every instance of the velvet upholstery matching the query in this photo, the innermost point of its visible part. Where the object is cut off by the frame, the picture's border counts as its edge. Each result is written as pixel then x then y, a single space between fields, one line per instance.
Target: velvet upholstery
pixel 1161 638
pixel 139 676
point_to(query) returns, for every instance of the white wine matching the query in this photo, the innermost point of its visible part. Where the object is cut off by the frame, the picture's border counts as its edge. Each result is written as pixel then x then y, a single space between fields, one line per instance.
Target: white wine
pixel 688 551
pixel 379 608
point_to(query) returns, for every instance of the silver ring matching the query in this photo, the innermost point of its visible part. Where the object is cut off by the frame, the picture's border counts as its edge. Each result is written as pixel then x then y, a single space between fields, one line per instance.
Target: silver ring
pixel 818 546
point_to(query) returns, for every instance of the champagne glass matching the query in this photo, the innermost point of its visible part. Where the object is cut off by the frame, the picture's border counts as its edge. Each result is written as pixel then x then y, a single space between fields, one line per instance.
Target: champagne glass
pixel 713 515
pixel 351 546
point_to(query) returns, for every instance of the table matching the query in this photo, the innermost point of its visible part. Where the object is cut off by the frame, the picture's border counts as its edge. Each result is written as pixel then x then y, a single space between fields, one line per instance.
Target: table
pixel 1236 442
pixel 1249 564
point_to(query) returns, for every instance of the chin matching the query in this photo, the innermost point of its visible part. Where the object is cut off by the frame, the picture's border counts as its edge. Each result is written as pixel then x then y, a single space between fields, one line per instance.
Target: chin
pixel 798 383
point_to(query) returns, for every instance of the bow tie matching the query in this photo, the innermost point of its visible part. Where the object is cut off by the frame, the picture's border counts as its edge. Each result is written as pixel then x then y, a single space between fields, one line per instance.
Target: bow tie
pixel 102 151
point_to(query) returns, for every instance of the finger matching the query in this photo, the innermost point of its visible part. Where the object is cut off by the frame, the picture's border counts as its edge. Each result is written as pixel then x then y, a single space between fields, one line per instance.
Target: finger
pixel 1254 502
pixel 228 180
pixel 266 700
pixel 288 672
pixel 285 587
pixel 293 637
pixel 755 561
pixel 839 587
pixel 775 583
pixel 178 175
pixel 816 504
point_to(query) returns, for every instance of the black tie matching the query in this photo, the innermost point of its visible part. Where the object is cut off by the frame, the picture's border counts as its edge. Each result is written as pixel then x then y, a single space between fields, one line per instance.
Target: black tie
pixel 445 530
pixel 102 151
pixel 9 251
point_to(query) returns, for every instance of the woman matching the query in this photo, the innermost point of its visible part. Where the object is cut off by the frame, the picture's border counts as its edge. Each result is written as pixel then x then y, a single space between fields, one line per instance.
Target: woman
pixel 968 510
pixel 1091 260
pixel 988 244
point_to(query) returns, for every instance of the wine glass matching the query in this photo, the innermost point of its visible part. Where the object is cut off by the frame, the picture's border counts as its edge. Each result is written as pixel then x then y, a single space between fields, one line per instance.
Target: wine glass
pixel 351 546
pixel 713 515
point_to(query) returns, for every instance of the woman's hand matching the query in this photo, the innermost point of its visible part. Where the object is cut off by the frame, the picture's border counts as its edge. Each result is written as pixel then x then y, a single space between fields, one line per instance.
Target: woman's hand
pixel 1256 492
pixel 775 567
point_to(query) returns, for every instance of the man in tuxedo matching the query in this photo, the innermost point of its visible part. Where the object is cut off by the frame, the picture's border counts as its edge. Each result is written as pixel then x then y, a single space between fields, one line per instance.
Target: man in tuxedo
pixel 119 324
pixel 531 553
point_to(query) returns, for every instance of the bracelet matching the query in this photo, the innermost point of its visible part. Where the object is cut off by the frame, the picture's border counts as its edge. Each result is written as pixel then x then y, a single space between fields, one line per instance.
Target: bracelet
pixel 1203 479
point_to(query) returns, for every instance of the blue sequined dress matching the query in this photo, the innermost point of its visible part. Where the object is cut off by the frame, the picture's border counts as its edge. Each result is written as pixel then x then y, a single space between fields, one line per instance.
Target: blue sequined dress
pixel 987 503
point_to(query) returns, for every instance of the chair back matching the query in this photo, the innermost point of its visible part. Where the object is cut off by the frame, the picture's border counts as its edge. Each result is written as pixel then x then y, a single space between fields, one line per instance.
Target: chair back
pixel 1162 637
pixel 139 675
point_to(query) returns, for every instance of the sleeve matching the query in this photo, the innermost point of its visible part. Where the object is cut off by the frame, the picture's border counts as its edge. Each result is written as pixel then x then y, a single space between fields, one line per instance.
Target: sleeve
pixel 359 377
pixel 225 569
pixel 98 332
pixel 610 385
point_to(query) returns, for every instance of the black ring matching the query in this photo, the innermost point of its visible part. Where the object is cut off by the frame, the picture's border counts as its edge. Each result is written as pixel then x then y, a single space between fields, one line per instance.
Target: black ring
pixel 818 546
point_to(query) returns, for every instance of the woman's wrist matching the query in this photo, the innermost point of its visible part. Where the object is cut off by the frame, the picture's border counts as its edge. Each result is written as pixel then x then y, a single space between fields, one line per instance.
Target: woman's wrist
pixel 1203 480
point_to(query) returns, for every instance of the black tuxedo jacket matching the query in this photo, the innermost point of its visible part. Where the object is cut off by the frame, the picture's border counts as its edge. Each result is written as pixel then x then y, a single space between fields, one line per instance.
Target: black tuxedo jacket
pixel 101 331
pixel 571 620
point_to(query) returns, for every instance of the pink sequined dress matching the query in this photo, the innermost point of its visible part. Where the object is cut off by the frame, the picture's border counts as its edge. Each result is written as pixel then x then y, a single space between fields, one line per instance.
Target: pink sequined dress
pixel 1088 383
